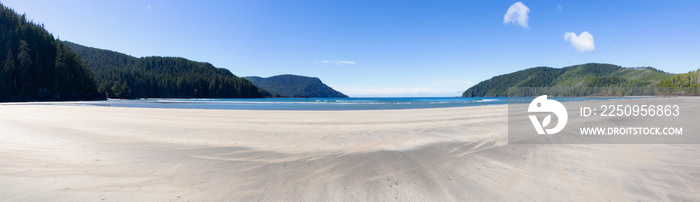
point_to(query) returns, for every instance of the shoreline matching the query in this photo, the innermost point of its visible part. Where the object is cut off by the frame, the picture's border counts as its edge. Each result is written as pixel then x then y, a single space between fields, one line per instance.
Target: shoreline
pixel 300 105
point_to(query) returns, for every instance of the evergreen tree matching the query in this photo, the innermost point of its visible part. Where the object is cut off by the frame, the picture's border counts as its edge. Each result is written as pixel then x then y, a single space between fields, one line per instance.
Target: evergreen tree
pixel 25 66
pixel 8 78
pixel 117 90
pixel 43 67
pixel 105 90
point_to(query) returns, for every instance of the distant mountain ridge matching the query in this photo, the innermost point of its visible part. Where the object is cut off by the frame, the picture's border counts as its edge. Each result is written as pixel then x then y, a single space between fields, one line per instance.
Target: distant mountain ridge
pixel 123 76
pixel 584 75
pixel 288 85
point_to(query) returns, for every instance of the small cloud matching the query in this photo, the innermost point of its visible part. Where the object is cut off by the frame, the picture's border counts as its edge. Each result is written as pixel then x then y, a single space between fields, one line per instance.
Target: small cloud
pixel 583 42
pixel 559 7
pixel 337 62
pixel 148 7
pixel 345 62
pixel 517 14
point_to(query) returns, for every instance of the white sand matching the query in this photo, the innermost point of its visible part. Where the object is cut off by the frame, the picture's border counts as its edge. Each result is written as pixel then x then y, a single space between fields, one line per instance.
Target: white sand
pixel 91 153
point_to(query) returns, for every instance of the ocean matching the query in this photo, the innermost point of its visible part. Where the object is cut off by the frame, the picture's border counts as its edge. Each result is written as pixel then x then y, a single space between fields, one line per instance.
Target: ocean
pixel 322 103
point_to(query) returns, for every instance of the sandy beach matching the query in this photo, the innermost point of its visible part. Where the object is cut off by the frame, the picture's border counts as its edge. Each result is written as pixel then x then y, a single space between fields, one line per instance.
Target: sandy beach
pixel 92 153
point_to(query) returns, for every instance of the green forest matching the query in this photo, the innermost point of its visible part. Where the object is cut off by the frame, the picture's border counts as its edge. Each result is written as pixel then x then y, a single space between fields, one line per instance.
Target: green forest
pixel 690 79
pixel 122 76
pixel 37 66
pixel 585 75
pixel 294 86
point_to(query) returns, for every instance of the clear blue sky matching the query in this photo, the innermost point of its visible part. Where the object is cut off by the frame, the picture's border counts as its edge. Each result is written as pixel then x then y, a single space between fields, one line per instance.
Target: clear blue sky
pixel 384 48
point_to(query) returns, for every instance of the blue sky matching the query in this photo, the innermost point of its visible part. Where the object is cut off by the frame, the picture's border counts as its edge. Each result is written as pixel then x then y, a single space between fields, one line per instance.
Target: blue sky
pixel 384 48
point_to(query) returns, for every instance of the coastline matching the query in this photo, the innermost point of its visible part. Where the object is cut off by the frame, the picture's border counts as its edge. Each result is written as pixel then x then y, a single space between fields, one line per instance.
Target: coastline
pixel 68 152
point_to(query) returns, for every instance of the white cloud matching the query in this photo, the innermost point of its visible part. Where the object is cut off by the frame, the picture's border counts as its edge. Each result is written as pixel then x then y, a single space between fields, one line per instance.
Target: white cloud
pixel 148 7
pixel 583 42
pixel 559 7
pixel 337 62
pixel 517 14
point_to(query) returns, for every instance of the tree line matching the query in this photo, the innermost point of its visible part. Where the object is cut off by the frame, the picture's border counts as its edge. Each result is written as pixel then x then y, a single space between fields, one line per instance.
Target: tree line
pixel 123 76
pixel 590 75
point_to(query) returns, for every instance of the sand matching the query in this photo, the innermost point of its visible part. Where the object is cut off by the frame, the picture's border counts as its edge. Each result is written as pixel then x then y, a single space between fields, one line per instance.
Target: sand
pixel 89 153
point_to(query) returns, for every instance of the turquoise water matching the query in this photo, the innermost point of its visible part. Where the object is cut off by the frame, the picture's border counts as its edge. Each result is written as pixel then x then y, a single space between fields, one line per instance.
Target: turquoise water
pixel 304 103
pixel 320 103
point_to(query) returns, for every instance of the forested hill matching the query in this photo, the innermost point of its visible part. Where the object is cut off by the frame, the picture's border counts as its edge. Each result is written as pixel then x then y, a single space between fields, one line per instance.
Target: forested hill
pixel 36 66
pixel 123 76
pixel 587 75
pixel 295 86
pixel 687 80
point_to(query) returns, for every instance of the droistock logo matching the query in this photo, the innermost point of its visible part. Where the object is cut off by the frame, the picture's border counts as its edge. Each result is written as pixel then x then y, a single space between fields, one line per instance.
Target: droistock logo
pixel 542 104
pixel 609 115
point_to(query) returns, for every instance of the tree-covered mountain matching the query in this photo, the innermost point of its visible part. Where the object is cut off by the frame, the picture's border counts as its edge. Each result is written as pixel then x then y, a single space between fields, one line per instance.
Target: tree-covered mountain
pixel 295 86
pixel 690 79
pixel 36 66
pixel 585 75
pixel 120 75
